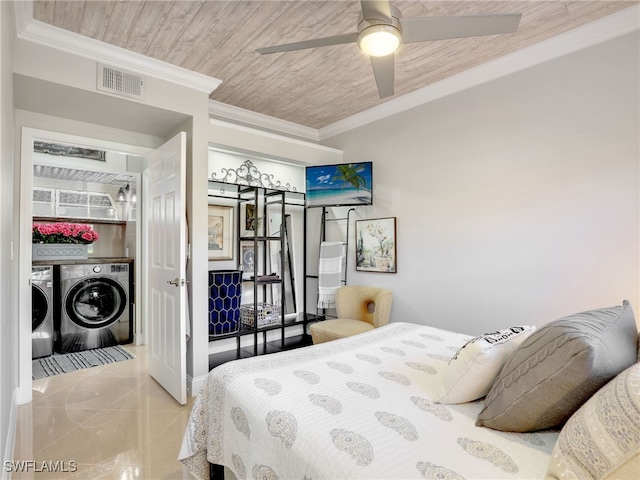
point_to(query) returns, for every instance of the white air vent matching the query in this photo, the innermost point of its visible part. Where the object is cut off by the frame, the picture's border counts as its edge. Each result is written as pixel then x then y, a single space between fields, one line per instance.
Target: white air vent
pixel 114 80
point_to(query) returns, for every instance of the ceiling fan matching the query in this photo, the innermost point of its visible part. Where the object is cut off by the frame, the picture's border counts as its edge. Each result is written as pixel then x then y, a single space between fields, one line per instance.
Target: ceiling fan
pixel 381 30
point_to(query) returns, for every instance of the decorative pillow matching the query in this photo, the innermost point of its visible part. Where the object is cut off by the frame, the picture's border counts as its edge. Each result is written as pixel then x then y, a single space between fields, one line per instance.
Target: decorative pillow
pixel 558 368
pixel 602 439
pixel 476 364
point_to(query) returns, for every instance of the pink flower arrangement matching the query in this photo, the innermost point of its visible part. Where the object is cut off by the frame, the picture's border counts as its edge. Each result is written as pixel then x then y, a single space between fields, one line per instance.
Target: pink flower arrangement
pixel 63 233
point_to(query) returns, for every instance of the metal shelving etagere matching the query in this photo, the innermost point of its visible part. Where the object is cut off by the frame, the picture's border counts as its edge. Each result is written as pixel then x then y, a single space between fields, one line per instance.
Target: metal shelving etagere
pixel 255 245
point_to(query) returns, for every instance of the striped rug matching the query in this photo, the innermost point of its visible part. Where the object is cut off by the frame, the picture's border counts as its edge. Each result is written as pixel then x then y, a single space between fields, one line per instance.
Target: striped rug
pixel 69 362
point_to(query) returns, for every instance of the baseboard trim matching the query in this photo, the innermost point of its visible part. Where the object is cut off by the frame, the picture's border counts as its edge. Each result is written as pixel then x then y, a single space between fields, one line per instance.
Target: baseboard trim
pixel 194 385
pixel 7 455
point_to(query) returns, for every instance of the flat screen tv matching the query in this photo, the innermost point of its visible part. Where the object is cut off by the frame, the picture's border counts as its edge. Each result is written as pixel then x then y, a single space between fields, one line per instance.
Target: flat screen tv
pixel 342 185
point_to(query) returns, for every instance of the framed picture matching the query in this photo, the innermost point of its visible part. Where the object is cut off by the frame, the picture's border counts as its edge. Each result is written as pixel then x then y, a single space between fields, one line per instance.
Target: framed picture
pixel 220 229
pixel 376 245
pixel 249 216
pixel 339 185
pixel 248 259
pixel 251 222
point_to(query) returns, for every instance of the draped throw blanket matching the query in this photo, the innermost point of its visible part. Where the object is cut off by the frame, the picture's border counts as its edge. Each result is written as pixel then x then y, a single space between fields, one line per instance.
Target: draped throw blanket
pixel 332 255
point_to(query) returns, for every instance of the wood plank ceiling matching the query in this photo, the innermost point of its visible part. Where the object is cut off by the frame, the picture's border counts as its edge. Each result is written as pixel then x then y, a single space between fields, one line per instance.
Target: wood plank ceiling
pixel 314 87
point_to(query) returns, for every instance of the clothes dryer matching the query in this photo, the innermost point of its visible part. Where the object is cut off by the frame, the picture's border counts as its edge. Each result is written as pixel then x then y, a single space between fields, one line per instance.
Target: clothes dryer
pixel 42 327
pixel 96 306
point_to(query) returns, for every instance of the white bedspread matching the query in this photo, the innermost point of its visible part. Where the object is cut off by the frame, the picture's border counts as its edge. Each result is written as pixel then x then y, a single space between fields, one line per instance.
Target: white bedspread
pixel 353 408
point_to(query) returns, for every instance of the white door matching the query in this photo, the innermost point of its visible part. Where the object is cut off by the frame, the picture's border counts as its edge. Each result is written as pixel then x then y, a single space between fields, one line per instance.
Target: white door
pixel 166 313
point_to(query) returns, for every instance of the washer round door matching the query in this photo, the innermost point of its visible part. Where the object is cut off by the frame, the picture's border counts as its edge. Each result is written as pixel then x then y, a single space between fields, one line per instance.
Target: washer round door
pixel 39 307
pixel 95 302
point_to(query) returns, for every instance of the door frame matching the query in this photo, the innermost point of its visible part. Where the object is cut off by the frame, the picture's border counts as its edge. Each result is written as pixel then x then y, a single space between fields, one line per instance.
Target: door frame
pixel 23 286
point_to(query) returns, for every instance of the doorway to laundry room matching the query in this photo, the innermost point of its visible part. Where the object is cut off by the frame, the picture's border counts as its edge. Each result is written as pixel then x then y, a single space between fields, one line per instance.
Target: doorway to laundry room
pixel 80 209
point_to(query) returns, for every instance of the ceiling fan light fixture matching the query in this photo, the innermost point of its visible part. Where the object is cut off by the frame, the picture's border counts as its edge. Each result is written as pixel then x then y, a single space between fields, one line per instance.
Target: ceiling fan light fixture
pixel 379 40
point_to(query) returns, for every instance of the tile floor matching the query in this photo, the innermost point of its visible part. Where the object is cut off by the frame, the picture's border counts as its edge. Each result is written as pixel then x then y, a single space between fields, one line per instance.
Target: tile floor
pixel 114 421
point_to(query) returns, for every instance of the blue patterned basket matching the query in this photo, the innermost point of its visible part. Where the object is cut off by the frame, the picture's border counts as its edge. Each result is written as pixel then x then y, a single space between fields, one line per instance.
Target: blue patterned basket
pixel 225 292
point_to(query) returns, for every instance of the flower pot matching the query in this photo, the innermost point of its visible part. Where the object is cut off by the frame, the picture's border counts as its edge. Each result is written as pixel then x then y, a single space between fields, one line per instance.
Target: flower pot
pixel 382 263
pixel 59 251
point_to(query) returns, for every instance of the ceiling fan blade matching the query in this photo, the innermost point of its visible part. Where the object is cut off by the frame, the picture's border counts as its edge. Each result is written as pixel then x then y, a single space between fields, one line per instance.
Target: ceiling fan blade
pixel 383 71
pixel 376 9
pixel 316 42
pixel 439 28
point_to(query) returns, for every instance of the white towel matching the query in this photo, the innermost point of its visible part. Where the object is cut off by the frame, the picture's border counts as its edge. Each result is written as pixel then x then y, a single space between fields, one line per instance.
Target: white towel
pixel 330 268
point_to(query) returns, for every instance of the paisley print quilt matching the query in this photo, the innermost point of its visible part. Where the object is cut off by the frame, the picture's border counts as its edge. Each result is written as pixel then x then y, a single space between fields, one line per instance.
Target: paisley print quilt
pixel 361 407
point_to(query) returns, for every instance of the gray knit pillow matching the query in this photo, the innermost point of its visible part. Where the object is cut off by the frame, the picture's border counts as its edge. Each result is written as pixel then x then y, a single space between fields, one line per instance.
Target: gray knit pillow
pixel 555 370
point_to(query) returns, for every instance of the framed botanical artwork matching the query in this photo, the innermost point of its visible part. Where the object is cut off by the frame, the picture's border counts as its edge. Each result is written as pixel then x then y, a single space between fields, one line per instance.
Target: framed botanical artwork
pixel 220 230
pixel 376 245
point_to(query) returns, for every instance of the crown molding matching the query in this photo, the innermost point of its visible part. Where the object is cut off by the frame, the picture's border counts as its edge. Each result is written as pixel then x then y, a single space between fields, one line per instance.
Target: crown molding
pixel 607 28
pixel 241 116
pixel 44 34
pixel 221 122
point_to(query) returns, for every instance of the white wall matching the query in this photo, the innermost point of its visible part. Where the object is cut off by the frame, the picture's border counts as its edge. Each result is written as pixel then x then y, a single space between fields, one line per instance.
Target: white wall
pixel 33 60
pixel 8 324
pixel 517 201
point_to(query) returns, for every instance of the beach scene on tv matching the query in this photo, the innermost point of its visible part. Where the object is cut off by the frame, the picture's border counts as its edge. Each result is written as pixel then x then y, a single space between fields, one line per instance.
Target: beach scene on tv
pixel 339 185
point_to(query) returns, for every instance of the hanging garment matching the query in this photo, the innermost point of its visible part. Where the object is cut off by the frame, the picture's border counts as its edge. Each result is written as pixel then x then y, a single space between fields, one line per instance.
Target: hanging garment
pixel 330 270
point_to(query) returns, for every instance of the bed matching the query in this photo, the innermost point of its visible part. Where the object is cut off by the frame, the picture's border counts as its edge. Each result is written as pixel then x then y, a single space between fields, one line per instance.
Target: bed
pixel 361 407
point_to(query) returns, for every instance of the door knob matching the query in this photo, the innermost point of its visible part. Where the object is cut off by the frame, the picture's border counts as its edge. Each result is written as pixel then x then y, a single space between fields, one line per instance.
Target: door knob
pixel 178 282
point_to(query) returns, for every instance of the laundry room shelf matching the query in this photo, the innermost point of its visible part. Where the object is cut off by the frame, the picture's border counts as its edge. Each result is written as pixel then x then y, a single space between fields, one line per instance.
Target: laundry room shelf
pixel 79 220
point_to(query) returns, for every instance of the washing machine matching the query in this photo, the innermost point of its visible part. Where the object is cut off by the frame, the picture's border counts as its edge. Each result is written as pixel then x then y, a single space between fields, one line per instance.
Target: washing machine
pixel 95 306
pixel 42 300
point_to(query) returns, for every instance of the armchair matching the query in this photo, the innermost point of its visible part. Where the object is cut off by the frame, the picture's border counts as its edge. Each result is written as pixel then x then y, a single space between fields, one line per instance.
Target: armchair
pixel 359 309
